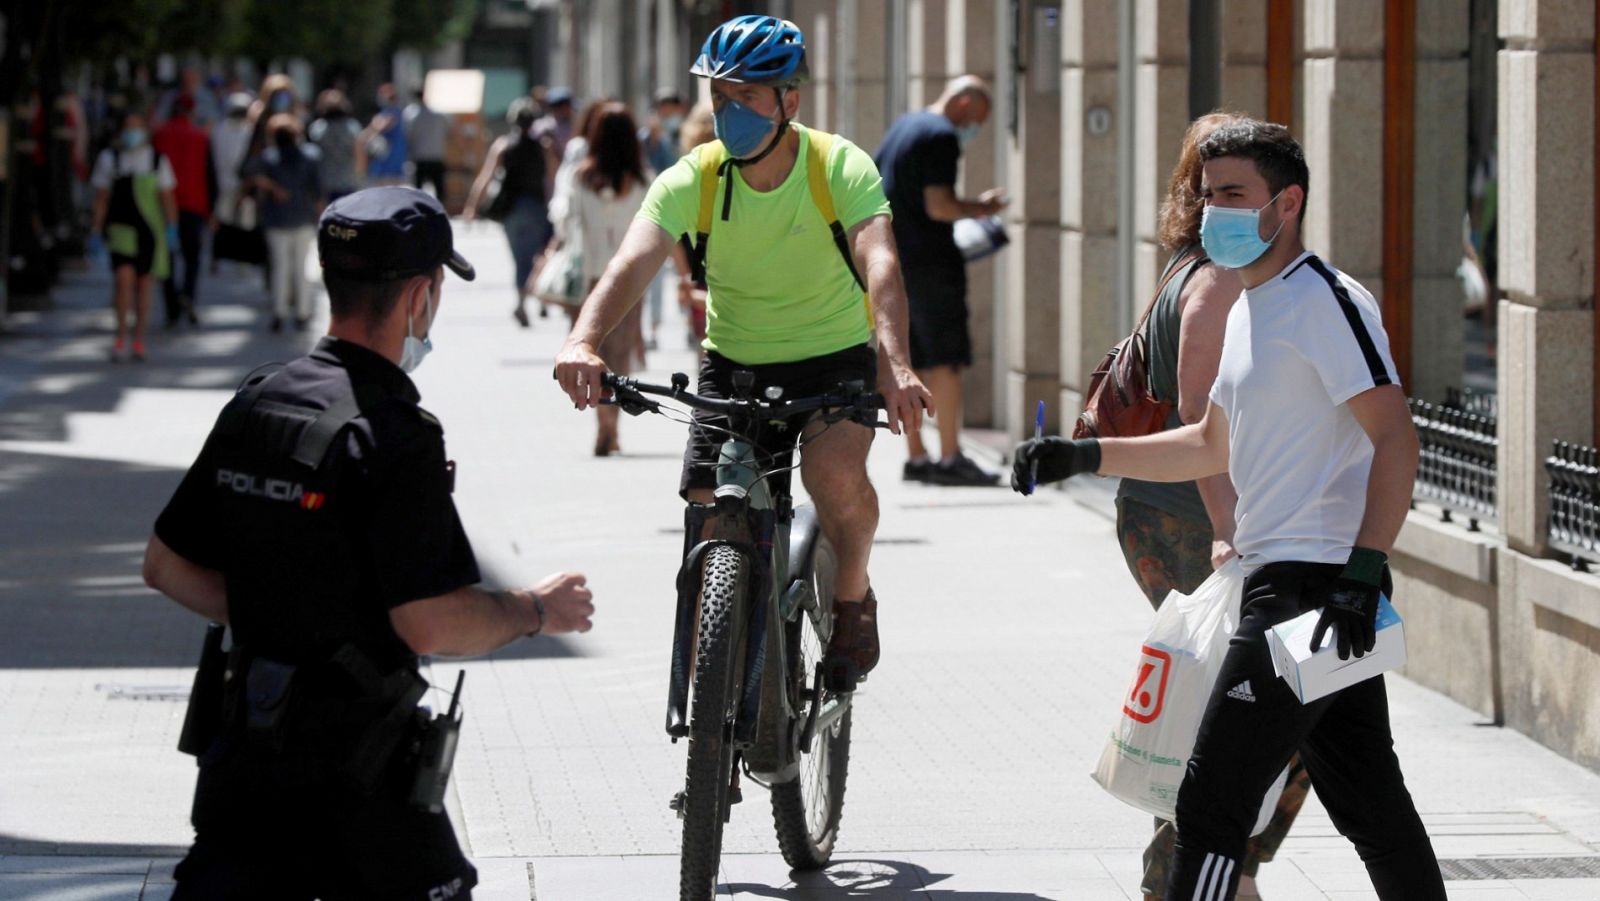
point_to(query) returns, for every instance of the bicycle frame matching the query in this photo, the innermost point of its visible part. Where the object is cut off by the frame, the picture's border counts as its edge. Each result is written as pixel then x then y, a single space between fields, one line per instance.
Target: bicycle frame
pixel 748 517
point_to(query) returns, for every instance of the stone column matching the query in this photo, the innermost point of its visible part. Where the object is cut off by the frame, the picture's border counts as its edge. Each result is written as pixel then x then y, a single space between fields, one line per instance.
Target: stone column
pixel 861 88
pixel 927 31
pixel 1343 135
pixel 816 19
pixel 1547 240
pixel 1089 105
pixel 1244 57
pixel 1438 346
pixel 969 48
pixel 1161 111
pixel 1031 321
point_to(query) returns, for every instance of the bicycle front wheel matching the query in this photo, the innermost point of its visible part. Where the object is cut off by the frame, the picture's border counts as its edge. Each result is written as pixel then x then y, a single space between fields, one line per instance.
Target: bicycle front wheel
pixel 705 798
pixel 806 810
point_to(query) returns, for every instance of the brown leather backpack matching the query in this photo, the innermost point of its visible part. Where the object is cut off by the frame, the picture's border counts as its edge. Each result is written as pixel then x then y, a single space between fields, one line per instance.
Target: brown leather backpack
pixel 1121 404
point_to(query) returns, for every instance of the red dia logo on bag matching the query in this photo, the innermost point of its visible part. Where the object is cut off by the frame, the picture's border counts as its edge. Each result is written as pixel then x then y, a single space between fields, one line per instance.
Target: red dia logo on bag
pixel 1144 700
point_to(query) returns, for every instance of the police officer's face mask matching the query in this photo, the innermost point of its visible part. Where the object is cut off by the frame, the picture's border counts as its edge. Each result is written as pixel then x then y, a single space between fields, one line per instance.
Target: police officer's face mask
pixel 416 349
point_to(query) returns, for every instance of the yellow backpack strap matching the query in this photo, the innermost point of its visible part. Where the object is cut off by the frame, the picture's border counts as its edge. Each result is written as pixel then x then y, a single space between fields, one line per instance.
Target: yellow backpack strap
pixel 817 150
pixel 709 156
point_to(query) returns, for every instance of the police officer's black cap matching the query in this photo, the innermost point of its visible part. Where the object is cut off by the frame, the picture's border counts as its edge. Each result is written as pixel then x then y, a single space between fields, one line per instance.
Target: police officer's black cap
pixel 388 233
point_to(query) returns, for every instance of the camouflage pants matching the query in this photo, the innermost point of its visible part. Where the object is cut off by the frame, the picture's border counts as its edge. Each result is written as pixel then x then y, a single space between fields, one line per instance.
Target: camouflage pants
pixel 1170 553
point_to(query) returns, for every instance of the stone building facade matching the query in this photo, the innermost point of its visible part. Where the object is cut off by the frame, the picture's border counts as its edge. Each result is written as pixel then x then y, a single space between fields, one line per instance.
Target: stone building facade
pixel 1406 110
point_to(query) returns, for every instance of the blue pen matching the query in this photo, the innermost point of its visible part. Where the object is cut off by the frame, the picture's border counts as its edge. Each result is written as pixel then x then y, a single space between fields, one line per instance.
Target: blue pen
pixel 1038 432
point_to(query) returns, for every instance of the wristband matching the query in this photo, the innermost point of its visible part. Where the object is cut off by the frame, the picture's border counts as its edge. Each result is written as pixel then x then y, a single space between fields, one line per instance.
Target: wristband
pixel 1090 448
pixel 1365 566
pixel 538 607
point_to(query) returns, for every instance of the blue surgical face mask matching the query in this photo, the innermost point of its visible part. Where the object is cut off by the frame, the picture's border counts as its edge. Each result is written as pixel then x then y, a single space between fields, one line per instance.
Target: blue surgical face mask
pixel 415 349
pixel 1232 237
pixel 741 129
pixel 965 133
pixel 133 137
pixel 672 123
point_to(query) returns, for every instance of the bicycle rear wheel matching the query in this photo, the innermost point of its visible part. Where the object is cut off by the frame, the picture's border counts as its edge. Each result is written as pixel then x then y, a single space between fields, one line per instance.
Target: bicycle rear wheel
pixel 806 810
pixel 705 798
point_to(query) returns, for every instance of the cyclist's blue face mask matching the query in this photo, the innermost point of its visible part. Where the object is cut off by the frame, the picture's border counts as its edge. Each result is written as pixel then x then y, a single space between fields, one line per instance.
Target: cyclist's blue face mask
pixel 741 129
pixel 1232 237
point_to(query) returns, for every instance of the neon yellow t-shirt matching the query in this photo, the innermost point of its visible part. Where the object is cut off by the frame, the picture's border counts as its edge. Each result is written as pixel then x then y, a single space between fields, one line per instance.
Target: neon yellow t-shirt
pixel 778 289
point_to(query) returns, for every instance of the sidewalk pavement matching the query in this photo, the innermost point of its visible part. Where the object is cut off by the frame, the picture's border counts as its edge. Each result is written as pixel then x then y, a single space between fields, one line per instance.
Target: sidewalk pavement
pixel 1010 630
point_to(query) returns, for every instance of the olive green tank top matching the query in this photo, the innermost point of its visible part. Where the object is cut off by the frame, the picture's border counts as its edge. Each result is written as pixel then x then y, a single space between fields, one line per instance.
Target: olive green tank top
pixel 1161 348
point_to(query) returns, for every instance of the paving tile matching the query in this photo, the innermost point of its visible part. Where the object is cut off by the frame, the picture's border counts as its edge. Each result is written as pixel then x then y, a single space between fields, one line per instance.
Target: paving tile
pixel 69 887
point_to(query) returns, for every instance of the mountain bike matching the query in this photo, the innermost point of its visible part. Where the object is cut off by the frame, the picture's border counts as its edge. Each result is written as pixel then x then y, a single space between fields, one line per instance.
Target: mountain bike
pixel 754 615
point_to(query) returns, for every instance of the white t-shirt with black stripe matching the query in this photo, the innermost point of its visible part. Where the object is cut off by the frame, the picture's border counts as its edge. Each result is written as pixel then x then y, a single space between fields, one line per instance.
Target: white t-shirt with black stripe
pixel 1297 347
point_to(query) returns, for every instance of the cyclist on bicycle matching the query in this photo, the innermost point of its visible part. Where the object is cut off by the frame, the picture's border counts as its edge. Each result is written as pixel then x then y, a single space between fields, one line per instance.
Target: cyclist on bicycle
pixel 785 298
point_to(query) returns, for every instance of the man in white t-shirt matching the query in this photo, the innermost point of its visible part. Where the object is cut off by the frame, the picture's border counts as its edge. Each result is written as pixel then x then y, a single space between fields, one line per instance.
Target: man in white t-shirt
pixel 1308 418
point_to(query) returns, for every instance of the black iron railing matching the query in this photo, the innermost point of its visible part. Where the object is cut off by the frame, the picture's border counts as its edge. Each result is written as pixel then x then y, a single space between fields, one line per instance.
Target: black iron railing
pixel 1458 468
pixel 1575 502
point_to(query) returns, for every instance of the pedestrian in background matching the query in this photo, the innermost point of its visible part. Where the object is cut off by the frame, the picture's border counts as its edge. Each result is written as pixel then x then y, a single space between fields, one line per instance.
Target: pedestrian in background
pixel 426 133
pixel 277 98
pixel 286 179
pixel 660 142
pixel 699 127
pixel 235 232
pixel 342 153
pixel 557 126
pixel 204 109
pixel 919 158
pixel 518 159
pixel 187 147
pixel 608 188
pixel 135 219
pixel 1173 534
pixel 385 135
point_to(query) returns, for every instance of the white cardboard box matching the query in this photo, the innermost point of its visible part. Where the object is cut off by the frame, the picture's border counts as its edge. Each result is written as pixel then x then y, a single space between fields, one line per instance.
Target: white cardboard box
pixel 1312 676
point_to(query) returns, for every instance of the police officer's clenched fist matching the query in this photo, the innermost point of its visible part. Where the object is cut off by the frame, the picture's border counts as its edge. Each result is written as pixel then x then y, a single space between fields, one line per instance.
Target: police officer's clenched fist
pixel 564 604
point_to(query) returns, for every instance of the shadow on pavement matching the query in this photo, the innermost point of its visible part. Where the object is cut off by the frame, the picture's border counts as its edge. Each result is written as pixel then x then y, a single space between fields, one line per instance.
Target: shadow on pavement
pixel 74 529
pixel 11 845
pixel 71 593
pixel 883 879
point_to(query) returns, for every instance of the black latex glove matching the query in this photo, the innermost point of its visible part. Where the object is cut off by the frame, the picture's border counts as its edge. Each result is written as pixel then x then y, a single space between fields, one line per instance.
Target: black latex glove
pixel 1057 459
pixel 1352 605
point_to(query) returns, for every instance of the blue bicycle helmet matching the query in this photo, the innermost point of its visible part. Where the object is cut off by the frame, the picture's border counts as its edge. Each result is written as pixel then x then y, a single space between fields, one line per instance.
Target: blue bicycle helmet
pixel 754 50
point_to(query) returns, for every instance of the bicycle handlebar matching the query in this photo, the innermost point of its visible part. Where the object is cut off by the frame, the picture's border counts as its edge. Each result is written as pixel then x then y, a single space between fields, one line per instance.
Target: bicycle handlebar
pixel 629 394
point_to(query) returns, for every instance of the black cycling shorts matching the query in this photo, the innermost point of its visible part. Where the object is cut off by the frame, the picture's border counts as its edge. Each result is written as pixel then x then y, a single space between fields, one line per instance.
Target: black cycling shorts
pixel 936 300
pixel 801 378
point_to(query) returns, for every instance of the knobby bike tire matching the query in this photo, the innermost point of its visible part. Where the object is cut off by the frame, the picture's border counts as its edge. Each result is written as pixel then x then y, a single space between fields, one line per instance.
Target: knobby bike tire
pixel 705 800
pixel 806 810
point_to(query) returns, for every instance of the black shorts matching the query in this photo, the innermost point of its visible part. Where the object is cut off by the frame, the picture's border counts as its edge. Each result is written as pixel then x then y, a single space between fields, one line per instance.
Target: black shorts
pixel 801 378
pixel 143 259
pixel 936 298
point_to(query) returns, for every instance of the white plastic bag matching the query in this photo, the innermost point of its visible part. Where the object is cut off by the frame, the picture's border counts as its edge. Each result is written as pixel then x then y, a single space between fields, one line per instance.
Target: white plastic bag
pixel 1144 760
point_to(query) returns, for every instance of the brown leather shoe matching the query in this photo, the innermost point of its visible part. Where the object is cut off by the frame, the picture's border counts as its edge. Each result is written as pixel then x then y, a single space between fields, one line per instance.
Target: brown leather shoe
pixel 853 648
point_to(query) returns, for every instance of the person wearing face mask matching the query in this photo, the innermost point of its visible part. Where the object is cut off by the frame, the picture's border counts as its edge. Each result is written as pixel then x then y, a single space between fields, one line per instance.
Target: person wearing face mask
pixel 919 158
pixel 1308 419
pixel 287 178
pixel 660 142
pixel 135 222
pixel 796 295
pixel 317 525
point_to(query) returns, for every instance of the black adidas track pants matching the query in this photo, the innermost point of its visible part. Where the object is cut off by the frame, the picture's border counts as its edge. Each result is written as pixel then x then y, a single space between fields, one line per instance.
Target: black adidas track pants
pixel 1253 723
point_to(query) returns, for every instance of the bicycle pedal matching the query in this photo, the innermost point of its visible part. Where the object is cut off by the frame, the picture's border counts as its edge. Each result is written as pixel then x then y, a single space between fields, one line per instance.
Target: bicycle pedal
pixel 677 804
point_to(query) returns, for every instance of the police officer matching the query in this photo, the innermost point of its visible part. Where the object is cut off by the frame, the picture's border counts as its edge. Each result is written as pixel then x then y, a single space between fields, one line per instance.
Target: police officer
pixel 318 525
